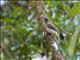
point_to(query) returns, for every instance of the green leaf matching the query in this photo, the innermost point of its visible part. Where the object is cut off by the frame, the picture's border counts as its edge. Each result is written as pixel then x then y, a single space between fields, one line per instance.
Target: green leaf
pixel 73 41
pixel 9 27
pixel 16 11
pixel 74 10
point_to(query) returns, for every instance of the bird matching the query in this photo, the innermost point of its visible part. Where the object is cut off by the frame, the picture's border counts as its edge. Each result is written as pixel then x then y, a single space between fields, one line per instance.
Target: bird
pixel 51 28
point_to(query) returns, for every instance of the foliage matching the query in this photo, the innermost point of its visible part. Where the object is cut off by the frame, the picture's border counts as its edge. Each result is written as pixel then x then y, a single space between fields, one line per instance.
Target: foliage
pixel 20 36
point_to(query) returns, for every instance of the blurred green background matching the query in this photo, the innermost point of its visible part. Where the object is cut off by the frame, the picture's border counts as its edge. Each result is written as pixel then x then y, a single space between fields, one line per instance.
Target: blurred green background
pixel 20 38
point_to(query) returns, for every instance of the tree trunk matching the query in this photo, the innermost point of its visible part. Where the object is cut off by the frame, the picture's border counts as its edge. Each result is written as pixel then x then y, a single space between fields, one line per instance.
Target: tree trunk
pixel 51 43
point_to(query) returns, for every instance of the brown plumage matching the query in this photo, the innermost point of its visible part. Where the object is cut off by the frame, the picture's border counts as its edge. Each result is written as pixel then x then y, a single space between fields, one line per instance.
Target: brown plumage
pixel 52 28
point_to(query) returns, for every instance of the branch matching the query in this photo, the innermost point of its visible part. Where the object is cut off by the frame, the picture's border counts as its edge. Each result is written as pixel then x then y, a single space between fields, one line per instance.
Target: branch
pixel 49 36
